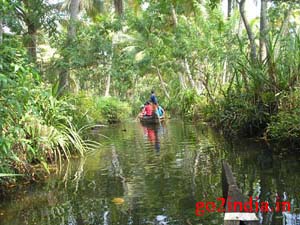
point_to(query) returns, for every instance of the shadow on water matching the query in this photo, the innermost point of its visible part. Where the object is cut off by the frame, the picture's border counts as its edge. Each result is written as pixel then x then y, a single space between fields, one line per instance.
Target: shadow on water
pixel 155 175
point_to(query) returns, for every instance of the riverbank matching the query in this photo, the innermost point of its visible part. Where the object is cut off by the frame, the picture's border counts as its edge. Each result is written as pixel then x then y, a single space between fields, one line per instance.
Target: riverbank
pixel 38 127
pixel 50 130
pixel 274 120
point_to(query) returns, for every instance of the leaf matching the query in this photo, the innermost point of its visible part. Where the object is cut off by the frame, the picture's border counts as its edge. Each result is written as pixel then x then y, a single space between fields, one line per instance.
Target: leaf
pixel 119 38
pixel 129 49
pixel 45 165
pixel 10 175
pixel 55 89
pixel 118 201
pixel 140 56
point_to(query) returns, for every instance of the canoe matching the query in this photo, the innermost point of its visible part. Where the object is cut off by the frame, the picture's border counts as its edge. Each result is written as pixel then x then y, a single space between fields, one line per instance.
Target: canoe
pixel 151 119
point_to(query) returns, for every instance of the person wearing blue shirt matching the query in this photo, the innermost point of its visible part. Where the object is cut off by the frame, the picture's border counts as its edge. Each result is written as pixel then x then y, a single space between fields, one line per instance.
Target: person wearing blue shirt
pixel 160 111
pixel 153 98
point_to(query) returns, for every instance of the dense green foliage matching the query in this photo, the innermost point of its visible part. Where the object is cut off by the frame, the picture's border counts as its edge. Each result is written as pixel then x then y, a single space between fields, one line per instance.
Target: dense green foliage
pixel 102 110
pixel 284 126
pixel 36 127
pixel 237 115
pixel 242 76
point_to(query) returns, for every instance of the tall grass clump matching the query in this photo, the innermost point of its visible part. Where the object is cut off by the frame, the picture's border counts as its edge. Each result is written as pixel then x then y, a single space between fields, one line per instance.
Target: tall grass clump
pixel 36 128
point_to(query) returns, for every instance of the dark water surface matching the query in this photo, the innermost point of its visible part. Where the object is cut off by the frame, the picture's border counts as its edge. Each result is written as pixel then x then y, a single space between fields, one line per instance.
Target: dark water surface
pixel 155 175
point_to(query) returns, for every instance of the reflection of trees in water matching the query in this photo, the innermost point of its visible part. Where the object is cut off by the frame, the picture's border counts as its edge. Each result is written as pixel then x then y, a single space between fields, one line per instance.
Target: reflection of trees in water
pixel 156 187
pixel 264 174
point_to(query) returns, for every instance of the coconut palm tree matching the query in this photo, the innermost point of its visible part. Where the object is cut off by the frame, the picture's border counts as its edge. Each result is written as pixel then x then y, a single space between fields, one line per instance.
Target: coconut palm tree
pixel 92 8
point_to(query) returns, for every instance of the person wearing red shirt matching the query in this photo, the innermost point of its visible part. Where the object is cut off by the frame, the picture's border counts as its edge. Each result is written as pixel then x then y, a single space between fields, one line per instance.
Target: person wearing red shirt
pixel 148 110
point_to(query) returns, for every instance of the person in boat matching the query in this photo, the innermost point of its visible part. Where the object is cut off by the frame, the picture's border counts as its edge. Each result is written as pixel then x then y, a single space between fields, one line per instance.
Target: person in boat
pixel 160 111
pixel 148 110
pixel 153 98
pixel 142 110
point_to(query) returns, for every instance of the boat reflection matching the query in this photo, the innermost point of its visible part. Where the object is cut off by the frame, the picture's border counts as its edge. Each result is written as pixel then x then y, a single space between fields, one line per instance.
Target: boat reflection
pixel 154 132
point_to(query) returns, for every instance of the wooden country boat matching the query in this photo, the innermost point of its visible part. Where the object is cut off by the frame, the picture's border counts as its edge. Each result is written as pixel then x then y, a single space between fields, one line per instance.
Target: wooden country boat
pixel 151 119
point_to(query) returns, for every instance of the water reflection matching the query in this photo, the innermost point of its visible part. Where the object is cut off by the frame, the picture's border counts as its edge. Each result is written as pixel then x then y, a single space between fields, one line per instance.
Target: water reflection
pixel 291 218
pixel 127 182
pixel 154 132
pixel 269 176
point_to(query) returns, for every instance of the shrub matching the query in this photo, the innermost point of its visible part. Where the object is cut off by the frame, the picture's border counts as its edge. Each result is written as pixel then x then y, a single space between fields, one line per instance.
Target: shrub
pixel 87 111
pixel 112 109
pixel 101 109
pixel 189 104
pixel 285 126
pixel 237 115
pixel 35 126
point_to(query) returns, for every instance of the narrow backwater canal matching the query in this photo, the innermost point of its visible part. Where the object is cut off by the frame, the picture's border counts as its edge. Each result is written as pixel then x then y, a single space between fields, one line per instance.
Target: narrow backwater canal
pixel 155 175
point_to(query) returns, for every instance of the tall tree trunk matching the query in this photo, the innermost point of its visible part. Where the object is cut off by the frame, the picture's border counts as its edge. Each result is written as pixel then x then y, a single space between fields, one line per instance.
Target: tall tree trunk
pixel 64 74
pixel 174 16
pixel 234 4
pixel 184 62
pixel 205 83
pixel 175 22
pixel 106 94
pixel 163 84
pixel 119 10
pixel 63 81
pixel 189 74
pixel 263 30
pixel 119 7
pixel 1 30
pixel 224 76
pixel 200 85
pixel 182 81
pixel 249 30
pixel 108 79
pixel 31 42
pixel 30 37
pixel 229 8
pixel 240 27
pixel 74 11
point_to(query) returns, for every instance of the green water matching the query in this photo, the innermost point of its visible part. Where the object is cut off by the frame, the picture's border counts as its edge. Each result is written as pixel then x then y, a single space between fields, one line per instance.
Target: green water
pixel 158 174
